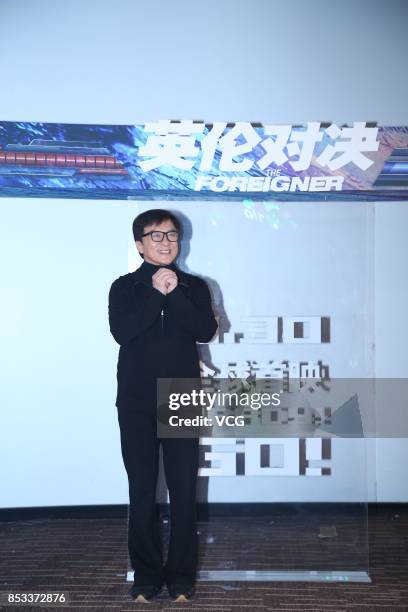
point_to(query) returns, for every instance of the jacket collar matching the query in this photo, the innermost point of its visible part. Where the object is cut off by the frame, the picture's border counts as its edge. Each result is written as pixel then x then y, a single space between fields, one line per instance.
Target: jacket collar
pixel 144 274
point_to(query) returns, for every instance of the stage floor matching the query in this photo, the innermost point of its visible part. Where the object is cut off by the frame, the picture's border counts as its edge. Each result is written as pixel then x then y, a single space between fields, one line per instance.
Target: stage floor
pixel 87 558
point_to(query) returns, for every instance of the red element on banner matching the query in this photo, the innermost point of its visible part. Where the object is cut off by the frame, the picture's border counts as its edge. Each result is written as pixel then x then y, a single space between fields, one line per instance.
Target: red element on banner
pixel 96 164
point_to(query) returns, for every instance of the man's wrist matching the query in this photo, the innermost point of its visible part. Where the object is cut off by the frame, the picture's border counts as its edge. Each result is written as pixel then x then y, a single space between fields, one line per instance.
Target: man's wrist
pixel 173 290
pixel 157 292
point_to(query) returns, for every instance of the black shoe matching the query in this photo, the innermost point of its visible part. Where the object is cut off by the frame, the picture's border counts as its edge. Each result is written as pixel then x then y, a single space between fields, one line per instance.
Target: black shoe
pixel 181 592
pixel 144 593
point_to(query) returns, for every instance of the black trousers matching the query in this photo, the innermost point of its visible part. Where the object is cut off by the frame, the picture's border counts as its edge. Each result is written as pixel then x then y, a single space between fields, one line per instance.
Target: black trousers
pixel 140 452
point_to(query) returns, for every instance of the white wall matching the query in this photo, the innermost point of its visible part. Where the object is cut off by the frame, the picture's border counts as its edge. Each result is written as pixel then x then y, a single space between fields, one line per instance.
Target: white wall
pixel 391 335
pixel 59 442
pixel 128 62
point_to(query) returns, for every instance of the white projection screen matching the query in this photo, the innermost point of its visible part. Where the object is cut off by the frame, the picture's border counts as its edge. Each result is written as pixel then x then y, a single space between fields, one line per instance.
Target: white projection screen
pixel 292 287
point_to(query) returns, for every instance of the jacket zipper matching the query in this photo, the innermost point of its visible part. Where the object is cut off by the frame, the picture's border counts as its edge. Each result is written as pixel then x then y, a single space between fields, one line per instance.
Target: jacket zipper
pixel 162 317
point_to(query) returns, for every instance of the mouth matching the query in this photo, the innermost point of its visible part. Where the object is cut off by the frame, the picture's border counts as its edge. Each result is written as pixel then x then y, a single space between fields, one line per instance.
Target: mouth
pixel 164 252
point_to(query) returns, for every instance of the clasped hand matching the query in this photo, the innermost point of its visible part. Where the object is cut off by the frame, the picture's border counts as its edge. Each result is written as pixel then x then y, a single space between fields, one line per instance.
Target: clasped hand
pixel 164 280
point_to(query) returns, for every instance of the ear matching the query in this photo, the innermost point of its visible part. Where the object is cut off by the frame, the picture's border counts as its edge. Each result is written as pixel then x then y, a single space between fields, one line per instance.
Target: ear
pixel 139 245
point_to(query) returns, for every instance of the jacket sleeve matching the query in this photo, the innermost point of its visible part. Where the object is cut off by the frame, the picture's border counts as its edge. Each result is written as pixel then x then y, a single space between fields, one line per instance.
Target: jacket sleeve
pixel 195 315
pixel 127 317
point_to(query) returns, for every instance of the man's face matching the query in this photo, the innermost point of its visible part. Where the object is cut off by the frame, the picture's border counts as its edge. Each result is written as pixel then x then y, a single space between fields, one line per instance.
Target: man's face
pixel 158 253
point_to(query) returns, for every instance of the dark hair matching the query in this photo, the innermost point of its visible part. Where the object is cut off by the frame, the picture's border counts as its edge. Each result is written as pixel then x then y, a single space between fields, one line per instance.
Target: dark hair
pixel 155 216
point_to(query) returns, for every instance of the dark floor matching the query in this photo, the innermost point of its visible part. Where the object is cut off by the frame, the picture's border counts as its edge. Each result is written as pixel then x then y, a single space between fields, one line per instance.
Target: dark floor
pixel 87 558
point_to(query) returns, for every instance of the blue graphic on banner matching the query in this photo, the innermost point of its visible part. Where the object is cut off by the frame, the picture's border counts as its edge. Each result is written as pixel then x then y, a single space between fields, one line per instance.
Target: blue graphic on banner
pixel 190 159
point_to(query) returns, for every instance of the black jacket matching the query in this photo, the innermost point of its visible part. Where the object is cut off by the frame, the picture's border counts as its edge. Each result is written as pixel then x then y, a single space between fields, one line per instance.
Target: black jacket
pixel 157 333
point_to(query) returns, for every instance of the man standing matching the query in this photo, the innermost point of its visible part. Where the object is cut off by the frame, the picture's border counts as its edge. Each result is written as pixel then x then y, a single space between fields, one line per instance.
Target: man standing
pixel 156 315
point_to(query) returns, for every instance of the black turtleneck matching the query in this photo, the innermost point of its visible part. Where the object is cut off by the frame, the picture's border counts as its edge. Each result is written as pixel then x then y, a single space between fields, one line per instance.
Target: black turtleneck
pixel 157 332
pixel 148 269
